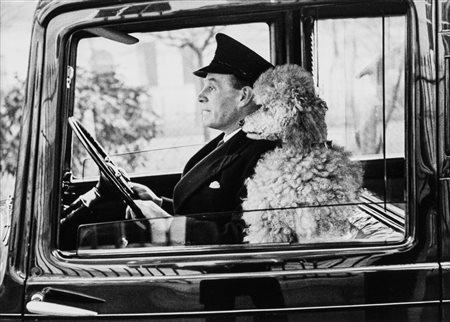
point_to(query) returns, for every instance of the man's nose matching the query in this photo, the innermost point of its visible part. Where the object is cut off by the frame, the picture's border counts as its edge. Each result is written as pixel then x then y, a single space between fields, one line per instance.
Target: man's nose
pixel 201 98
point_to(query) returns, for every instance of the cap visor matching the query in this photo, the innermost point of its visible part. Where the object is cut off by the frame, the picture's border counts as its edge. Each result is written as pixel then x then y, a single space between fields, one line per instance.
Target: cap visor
pixel 213 68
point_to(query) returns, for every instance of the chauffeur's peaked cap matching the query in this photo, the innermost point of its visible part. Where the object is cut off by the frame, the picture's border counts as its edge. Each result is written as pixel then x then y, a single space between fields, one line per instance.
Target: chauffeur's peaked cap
pixel 232 57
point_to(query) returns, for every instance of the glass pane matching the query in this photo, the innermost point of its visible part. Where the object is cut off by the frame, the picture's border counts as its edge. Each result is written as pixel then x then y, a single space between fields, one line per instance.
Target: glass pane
pixel 368 221
pixel 140 101
pixel 359 68
pixel 356 65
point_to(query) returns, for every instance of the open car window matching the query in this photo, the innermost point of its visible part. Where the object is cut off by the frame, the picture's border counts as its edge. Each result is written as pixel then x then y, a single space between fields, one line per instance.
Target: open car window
pixel 140 103
pixel 140 100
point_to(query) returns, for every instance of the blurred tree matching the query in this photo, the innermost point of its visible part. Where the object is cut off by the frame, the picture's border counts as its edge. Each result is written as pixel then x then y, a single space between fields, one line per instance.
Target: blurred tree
pixel 362 73
pixel 10 119
pixel 197 41
pixel 116 114
pixel 15 28
pixel 369 135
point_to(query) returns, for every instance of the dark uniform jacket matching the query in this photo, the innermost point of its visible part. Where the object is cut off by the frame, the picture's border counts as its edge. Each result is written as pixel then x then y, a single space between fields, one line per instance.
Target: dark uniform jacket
pixel 212 187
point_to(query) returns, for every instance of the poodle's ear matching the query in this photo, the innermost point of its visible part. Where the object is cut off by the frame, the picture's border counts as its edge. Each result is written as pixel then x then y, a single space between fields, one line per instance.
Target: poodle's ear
pixel 299 102
pixel 311 120
pixel 246 97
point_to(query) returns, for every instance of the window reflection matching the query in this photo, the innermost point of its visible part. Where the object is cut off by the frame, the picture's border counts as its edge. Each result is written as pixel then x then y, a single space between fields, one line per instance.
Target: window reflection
pixel 358 66
pixel 371 220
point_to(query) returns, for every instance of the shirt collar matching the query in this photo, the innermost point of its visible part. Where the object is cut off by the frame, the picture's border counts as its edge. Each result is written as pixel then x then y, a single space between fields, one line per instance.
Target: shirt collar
pixel 230 135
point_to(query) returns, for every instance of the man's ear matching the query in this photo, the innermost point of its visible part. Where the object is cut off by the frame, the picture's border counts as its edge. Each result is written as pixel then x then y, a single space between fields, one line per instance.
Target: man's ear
pixel 246 97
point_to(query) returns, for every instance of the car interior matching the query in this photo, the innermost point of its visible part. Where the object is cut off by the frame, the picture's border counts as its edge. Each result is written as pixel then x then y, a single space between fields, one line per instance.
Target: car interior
pixel 147 129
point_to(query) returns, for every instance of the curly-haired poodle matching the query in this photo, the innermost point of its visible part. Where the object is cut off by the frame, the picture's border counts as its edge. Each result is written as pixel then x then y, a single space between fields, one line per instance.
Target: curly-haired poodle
pixel 303 190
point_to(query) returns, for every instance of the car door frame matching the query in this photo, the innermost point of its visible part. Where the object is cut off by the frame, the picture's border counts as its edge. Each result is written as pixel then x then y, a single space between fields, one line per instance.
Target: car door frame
pixel 412 256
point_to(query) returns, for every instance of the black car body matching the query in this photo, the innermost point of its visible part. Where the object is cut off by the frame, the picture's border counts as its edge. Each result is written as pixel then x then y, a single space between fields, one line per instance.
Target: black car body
pixel 405 278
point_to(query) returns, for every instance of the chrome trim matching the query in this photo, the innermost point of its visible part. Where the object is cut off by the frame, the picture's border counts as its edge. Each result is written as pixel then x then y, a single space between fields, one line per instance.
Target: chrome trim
pixel 315 272
pixel 255 252
pixel 293 309
pixel 53 309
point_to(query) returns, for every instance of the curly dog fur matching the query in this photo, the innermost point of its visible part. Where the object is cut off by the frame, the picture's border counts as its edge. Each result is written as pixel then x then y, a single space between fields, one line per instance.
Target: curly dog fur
pixel 303 171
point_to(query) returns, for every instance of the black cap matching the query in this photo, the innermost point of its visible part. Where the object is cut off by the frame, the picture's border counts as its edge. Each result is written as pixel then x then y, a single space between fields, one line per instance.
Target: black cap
pixel 234 58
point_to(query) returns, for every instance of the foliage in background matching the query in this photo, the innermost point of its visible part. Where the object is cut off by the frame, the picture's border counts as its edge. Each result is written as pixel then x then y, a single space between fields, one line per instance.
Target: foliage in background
pixel 10 120
pixel 196 41
pixel 118 115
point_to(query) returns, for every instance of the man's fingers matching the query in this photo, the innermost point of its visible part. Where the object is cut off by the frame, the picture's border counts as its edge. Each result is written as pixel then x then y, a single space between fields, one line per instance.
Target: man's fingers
pixel 123 173
pixel 135 187
pixel 142 192
pixel 73 206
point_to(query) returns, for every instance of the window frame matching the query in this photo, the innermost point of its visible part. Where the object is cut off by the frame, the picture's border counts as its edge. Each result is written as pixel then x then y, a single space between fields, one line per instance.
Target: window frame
pixel 277 20
pixel 370 10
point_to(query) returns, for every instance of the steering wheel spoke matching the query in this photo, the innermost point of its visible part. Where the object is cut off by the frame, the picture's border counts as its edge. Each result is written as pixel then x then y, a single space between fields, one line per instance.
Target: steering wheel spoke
pixel 116 176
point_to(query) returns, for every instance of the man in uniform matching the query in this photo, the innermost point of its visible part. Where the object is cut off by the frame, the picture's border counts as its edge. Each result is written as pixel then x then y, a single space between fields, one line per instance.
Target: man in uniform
pixel 213 181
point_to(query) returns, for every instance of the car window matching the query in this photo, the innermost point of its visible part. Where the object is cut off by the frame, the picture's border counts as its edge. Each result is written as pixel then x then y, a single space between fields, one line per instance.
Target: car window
pixel 359 69
pixel 140 100
pixel 361 76
pixel 369 222
pixel 140 103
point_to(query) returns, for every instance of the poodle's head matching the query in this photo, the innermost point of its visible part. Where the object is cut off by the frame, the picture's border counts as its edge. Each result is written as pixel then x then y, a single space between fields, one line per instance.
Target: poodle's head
pixel 290 111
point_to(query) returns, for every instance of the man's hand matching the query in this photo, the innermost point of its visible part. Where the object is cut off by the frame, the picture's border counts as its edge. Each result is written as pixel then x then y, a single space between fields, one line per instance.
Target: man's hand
pixel 81 205
pixel 160 220
pixel 149 209
pixel 103 190
pixel 145 193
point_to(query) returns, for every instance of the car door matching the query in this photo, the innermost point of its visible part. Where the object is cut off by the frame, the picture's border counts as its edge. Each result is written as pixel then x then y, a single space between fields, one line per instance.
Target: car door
pixel 368 65
pixel 443 39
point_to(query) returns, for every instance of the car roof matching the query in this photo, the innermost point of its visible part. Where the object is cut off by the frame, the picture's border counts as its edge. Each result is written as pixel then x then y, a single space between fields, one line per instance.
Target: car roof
pixel 46 9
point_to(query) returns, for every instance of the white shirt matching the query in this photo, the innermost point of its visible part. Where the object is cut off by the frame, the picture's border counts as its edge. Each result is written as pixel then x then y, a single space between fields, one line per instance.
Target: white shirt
pixel 230 135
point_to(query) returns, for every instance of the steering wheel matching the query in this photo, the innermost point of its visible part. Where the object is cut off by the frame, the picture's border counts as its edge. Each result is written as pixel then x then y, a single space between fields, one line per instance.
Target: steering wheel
pixel 115 176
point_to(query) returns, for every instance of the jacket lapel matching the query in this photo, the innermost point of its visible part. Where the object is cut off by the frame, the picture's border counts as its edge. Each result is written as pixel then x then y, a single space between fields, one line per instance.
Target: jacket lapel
pixel 202 153
pixel 207 167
